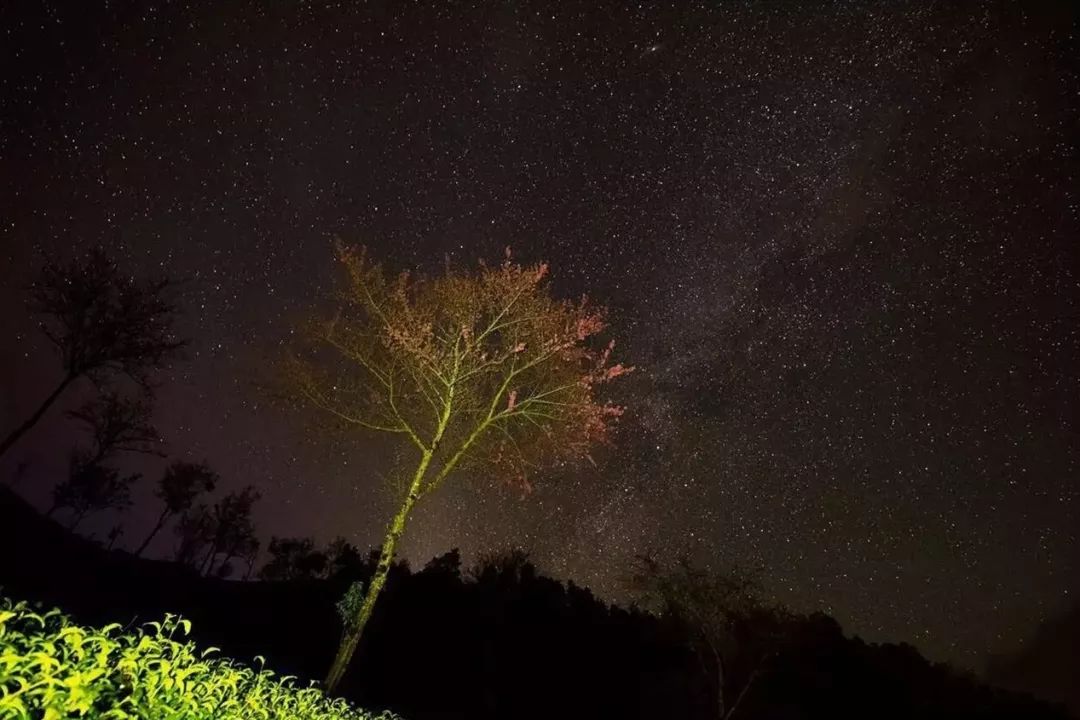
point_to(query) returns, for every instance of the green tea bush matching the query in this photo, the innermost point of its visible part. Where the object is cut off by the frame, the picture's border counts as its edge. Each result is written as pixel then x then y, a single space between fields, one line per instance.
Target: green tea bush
pixel 52 668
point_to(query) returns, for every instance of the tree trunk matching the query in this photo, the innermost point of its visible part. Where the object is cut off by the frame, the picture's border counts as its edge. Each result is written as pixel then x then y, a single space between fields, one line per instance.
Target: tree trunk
pixel 14 435
pixel 228 556
pixel 742 693
pixel 78 519
pixel 205 565
pixel 351 637
pixel 719 680
pixel 160 524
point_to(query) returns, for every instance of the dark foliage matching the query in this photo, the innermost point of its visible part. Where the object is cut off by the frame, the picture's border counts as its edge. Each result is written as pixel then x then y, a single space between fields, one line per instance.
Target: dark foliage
pixel 91 486
pixel 294 559
pixel 180 484
pixel 105 326
pixel 118 424
pixel 500 641
pixel 102 322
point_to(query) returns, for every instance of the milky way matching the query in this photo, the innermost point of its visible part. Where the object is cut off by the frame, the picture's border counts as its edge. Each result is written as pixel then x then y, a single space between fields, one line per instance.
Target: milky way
pixel 839 242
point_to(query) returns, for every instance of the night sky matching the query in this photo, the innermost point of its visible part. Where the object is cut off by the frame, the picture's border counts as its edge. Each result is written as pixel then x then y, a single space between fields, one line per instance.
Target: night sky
pixel 839 241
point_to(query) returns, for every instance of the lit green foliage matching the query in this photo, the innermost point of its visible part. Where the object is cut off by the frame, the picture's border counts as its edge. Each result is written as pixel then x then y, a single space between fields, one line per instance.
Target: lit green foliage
pixel 52 668
pixel 348 607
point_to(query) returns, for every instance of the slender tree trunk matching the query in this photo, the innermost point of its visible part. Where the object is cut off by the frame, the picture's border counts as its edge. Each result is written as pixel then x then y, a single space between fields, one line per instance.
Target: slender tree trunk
pixel 53 508
pixel 351 637
pixel 719 680
pixel 78 519
pixel 228 557
pixel 742 693
pixel 205 565
pixel 14 435
pixel 160 524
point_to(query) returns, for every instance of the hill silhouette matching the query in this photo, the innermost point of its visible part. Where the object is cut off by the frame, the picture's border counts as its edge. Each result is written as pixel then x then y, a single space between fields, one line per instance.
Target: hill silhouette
pixel 500 642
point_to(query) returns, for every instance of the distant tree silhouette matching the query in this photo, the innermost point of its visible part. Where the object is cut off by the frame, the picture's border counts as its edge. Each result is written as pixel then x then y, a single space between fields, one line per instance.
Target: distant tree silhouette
pixel 343 557
pixel 178 488
pixel 231 527
pixel 481 368
pixel 509 562
pixel 116 425
pixel 294 559
pixel 103 324
pixel 243 546
pixel 119 424
pixel 250 555
pixel 91 487
pixel 193 531
pixel 115 532
pixel 724 616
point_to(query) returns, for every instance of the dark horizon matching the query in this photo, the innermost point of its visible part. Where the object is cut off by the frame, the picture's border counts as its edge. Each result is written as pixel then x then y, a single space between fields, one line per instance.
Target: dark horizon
pixel 839 243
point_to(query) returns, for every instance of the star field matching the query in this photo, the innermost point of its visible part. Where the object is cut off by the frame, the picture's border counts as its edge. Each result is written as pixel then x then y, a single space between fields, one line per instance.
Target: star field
pixel 838 240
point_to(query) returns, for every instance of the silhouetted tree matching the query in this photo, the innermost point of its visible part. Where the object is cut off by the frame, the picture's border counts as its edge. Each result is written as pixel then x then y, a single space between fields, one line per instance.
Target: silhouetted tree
pixel 193 530
pixel 448 564
pixel 294 559
pixel 178 488
pixel 231 525
pixel 512 562
pixel 91 487
pixel 343 557
pixel 115 532
pixel 250 556
pixel 239 543
pixel 722 614
pixel 481 368
pixel 118 424
pixel 103 324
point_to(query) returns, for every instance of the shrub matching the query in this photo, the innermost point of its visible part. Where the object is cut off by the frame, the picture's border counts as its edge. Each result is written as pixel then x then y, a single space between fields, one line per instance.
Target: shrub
pixel 53 668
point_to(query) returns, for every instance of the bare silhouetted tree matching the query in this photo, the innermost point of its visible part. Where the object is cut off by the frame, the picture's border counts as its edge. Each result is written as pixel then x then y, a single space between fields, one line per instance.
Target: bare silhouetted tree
pixel 722 613
pixel 91 487
pixel 118 424
pixel 178 488
pixel 103 323
pixel 231 525
pixel 193 532
pixel 240 543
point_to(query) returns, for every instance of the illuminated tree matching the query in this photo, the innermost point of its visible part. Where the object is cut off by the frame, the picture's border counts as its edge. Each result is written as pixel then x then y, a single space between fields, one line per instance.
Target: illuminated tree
pixel 474 370
pixel 178 488
pixel 104 325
